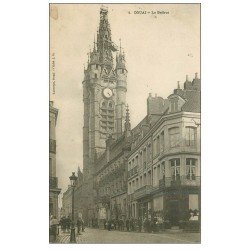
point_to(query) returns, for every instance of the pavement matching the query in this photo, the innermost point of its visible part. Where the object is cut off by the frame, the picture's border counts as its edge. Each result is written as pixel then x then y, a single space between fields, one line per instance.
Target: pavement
pixel 100 236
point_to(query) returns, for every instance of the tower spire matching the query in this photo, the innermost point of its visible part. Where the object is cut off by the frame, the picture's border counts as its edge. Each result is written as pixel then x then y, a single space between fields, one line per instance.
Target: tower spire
pixel 105 46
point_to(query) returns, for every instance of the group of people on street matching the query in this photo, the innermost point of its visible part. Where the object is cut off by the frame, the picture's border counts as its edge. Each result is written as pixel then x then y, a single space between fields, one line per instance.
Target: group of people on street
pixel 133 225
pixel 65 224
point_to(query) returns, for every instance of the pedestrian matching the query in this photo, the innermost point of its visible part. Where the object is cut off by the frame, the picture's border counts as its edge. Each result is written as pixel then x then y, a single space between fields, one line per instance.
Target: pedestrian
pixel 122 224
pixel 62 224
pixel 83 225
pixel 139 224
pixel 109 225
pixel 146 225
pixel 53 228
pixel 67 224
pixel 104 223
pixel 79 224
pixel 130 224
pixel 127 224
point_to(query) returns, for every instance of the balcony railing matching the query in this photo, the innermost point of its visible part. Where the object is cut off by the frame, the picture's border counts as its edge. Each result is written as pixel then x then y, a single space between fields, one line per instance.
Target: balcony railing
pixel 183 181
pixel 143 191
pixel 52 146
pixel 53 181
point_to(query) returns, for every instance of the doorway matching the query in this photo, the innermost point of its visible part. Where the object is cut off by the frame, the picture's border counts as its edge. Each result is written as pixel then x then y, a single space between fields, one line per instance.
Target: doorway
pixel 174 212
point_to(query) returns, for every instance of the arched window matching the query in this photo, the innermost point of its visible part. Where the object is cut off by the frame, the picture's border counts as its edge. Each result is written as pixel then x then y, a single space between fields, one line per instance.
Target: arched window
pixel 107 117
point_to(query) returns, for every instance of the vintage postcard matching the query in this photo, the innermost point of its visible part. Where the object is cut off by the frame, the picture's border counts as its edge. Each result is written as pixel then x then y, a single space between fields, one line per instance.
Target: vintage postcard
pixel 125 108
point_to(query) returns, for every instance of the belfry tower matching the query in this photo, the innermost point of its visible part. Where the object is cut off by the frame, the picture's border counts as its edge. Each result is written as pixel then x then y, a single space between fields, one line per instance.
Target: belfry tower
pixel 104 94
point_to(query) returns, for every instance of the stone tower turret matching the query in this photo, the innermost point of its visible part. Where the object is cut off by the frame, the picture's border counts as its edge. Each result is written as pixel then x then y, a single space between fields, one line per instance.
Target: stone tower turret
pixel 121 89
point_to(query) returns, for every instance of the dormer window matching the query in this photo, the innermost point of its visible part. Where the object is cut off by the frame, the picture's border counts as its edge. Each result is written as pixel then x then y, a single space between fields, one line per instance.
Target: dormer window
pixel 174 105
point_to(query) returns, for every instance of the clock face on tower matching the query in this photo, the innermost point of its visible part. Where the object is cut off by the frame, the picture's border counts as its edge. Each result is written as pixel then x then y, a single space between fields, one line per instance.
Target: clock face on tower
pixel 107 92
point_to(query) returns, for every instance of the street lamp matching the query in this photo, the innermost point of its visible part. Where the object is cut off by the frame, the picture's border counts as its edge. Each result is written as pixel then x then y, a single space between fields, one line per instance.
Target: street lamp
pixel 73 179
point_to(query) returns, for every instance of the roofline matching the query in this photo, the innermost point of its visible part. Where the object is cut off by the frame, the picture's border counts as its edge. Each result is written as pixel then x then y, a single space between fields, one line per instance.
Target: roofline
pixel 158 123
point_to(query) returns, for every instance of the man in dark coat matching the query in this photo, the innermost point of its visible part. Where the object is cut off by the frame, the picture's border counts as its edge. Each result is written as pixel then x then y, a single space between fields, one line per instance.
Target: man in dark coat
pixel 67 223
pixel 139 224
pixel 109 225
pixel 79 225
pixel 127 224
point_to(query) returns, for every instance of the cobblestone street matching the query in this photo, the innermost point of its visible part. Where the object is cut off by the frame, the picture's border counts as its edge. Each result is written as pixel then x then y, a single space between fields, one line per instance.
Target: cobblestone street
pixel 103 236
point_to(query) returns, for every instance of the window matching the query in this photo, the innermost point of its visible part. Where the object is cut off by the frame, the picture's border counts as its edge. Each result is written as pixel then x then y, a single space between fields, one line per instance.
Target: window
pixel 129 188
pixel 191 168
pixel 95 75
pixel 137 183
pixel 144 156
pixel 50 166
pixel 149 153
pixel 136 160
pixel 163 168
pixel 154 176
pixel 174 105
pixel 158 144
pixel 149 178
pixel 96 66
pixel 140 181
pixel 175 169
pixel 144 179
pixel 158 173
pixel 190 136
pixel 162 141
pixel 174 137
pixel 129 165
pixel 141 158
pixel 154 147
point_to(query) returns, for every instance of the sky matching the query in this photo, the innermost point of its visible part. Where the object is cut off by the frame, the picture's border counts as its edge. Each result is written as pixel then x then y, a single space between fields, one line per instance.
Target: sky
pixel 160 49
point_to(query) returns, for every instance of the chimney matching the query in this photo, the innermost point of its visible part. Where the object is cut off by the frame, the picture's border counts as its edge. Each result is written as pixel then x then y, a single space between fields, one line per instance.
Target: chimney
pixel 196 75
pixel 186 78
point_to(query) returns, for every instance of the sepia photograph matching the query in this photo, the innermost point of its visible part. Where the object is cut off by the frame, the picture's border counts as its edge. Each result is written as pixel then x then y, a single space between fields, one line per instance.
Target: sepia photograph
pixel 124 123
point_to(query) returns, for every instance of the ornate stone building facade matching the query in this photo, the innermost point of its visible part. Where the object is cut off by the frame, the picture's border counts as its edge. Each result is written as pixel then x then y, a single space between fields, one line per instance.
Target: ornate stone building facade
pixel 54 191
pixel 164 164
